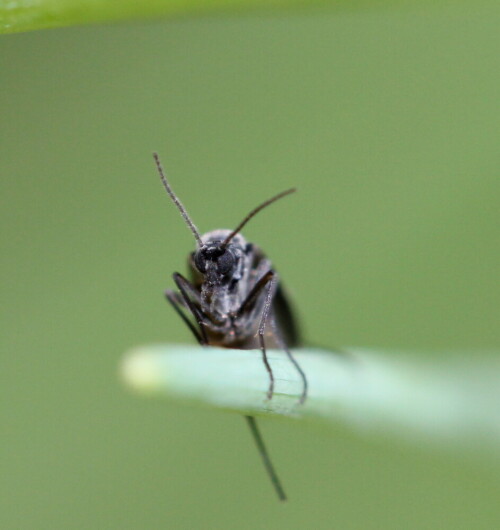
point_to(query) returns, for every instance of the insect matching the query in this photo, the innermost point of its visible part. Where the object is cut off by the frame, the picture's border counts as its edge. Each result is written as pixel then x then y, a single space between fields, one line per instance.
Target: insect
pixel 234 299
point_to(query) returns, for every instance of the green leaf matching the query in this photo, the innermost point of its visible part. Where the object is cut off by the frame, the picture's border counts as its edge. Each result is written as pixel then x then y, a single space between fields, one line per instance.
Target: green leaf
pixel 27 15
pixel 451 400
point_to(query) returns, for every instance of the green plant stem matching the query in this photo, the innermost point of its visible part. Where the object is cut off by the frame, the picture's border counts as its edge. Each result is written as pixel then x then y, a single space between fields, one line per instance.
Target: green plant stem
pixel 449 399
pixel 26 15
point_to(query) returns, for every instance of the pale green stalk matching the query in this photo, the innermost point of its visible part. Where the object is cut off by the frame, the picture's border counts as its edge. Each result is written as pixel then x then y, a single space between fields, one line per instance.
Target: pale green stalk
pixel 450 399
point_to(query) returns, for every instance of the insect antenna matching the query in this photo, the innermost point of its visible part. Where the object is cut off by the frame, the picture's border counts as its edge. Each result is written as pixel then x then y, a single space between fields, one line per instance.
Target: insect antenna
pixel 254 212
pixel 176 200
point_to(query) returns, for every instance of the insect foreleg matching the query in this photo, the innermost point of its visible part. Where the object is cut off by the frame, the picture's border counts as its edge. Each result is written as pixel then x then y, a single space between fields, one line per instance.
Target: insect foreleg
pixel 185 286
pixel 255 293
pixel 271 288
pixel 269 282
pixel 173 298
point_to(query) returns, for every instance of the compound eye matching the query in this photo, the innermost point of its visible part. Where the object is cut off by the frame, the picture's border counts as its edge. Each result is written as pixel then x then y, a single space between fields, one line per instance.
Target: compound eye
pixel 226 262
pixel 200 262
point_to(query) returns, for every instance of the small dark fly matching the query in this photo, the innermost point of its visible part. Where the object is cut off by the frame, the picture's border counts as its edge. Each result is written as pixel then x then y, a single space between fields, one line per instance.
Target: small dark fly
pixel 234 299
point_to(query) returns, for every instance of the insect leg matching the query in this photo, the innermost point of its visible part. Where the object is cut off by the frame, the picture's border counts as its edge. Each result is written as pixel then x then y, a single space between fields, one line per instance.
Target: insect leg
pixel 284 347
pixel 271 285
pixel 254 293
pixel 269 280
pixel 172 297
pixel 265 457
pixel 185 286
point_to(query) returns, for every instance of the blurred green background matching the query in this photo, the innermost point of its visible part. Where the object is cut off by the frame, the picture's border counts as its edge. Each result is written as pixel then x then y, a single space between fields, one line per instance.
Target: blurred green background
pixel 387 120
